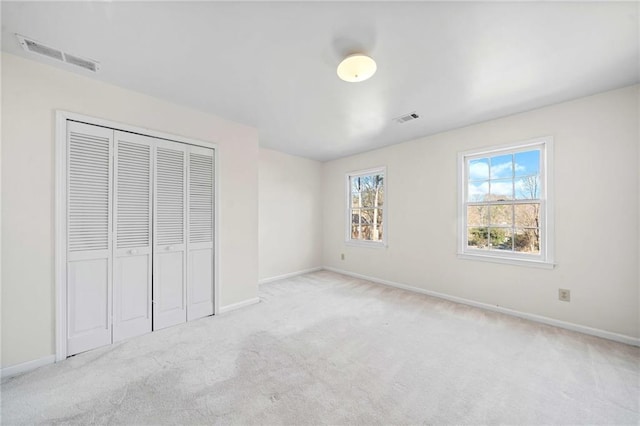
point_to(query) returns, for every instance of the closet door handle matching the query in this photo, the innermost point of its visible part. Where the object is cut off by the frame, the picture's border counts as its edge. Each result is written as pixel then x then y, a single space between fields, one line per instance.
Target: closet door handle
pixel 169 248
pixel 133 251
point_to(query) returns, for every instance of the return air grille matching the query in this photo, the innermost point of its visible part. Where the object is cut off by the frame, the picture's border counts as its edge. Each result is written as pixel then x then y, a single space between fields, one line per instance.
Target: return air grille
pixel 84 63
pixel 42 49
pixel 407 117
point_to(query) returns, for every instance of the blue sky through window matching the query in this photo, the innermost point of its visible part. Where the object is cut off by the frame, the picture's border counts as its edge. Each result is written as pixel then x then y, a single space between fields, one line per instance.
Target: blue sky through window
pixel 499 172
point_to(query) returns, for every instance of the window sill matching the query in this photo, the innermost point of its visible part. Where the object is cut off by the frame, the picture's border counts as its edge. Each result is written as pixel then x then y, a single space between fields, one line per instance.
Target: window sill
pixel 508 261
pixel 368 244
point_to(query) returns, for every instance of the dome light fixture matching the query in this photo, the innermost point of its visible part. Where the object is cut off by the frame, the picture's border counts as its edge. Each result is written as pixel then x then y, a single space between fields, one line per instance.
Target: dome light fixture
pixel 356 68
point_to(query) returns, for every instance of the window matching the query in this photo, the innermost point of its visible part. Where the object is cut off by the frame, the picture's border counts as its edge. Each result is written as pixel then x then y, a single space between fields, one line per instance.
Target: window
pixel 505 212
pixel 366 218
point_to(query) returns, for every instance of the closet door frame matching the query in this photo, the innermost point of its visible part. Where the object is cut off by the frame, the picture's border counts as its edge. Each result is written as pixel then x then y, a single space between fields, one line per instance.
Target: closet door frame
pixel 60 211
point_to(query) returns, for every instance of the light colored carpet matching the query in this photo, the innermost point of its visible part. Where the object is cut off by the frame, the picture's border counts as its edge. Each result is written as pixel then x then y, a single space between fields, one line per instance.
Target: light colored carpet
pixel 328 349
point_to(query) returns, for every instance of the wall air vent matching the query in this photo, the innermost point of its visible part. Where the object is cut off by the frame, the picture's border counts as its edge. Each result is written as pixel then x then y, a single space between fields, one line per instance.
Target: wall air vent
pixel 42 49
pixel 407 117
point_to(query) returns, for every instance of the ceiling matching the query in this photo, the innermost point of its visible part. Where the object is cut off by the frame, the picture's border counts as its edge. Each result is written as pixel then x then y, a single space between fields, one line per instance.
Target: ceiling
pixel 273 65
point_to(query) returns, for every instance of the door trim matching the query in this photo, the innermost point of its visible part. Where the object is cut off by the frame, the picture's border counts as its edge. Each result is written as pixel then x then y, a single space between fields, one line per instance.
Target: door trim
pixel 60 210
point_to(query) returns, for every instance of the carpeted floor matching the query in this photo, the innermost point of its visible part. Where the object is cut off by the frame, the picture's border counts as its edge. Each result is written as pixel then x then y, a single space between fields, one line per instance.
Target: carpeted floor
pixel 328 349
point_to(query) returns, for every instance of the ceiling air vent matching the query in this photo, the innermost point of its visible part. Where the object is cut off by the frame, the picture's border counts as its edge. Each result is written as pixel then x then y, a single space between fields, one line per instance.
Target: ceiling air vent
pixel 81 62
pixel 39 48
pixel 406 117
pixel 42 49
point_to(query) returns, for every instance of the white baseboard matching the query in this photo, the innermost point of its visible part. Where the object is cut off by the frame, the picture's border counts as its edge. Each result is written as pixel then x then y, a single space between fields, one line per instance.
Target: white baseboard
pixel 234 306
pixel 14 370
pixel 289 275
pixel 532 317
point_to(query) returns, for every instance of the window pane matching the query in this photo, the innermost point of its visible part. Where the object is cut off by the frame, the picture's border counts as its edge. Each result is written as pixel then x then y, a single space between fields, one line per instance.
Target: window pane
pixel 355 232
pixel 380 194
pixel 502 189
pixel 355 216
pixel 356 184
pixel 477 215
pixel 501 214
pixel 478 191
pixel 502 166
pixel 527 240
pixel 501 239
pixel 527 215
pixel 367 216
pixel 528 187
pixel 377 216
pixel 372 191
pixel 366 233
pixel 355 200
pixel 479 169
pixel 358 220
pixel 366 224
pixel 371 216
pixel 478 237
pixel 528 163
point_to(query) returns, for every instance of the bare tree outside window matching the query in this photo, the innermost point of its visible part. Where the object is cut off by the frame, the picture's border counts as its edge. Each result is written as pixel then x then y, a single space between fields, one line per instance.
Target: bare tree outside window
pixel 366 207
pixel 503 202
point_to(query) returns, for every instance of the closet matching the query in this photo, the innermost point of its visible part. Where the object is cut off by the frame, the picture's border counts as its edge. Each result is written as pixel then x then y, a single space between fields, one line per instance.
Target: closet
pixel 140 234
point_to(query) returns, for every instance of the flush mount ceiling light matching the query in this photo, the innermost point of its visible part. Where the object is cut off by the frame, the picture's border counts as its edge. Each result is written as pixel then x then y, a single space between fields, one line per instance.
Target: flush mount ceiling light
pixel 357 67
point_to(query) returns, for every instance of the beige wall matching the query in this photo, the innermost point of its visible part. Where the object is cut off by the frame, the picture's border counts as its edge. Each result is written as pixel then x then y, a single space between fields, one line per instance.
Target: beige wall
pixel 290 214
pixel 596 215
pixel 31 93
pixel 597 202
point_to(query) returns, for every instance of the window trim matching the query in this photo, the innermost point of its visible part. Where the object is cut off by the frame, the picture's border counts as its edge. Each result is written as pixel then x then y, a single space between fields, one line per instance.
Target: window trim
pixel 347 228
pixel 547 229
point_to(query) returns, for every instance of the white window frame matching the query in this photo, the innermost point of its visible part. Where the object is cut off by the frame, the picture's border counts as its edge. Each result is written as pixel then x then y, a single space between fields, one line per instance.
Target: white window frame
pixel 546 257
pixel 385 229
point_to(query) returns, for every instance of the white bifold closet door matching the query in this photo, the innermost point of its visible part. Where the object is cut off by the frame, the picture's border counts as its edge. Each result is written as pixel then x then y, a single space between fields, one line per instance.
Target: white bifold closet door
pixel 169 235
pixel 89 254
pixel 200 232
pixel 140 234
pixel 132 235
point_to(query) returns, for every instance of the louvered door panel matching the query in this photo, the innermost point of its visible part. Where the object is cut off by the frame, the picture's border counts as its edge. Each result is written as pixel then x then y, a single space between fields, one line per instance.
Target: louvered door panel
pixel 89 183
pixel 133 253
pixel 169 256
pixel 133 196
pixel 201 195
pixel 200 247
pixel 170 180
pixel 89 257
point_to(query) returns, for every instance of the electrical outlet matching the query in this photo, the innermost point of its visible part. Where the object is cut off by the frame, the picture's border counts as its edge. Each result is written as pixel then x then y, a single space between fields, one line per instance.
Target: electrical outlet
pixel 564 294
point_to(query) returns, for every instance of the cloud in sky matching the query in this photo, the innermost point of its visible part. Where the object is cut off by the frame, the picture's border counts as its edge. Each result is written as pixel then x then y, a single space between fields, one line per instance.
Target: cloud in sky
pixel 498 171
pixel 477 191
pixel 479 169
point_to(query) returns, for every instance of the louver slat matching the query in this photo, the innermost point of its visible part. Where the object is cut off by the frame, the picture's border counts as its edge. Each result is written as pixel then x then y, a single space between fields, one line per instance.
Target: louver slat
pixel 201 170
pixel 88 192
pixel 133 193
pixel 169 196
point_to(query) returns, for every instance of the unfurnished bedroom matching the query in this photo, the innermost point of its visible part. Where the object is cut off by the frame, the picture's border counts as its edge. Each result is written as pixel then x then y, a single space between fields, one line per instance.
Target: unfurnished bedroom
pixel 301 213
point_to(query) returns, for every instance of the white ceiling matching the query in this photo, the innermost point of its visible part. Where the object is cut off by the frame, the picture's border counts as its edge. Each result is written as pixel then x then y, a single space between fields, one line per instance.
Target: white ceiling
pixel 273 65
